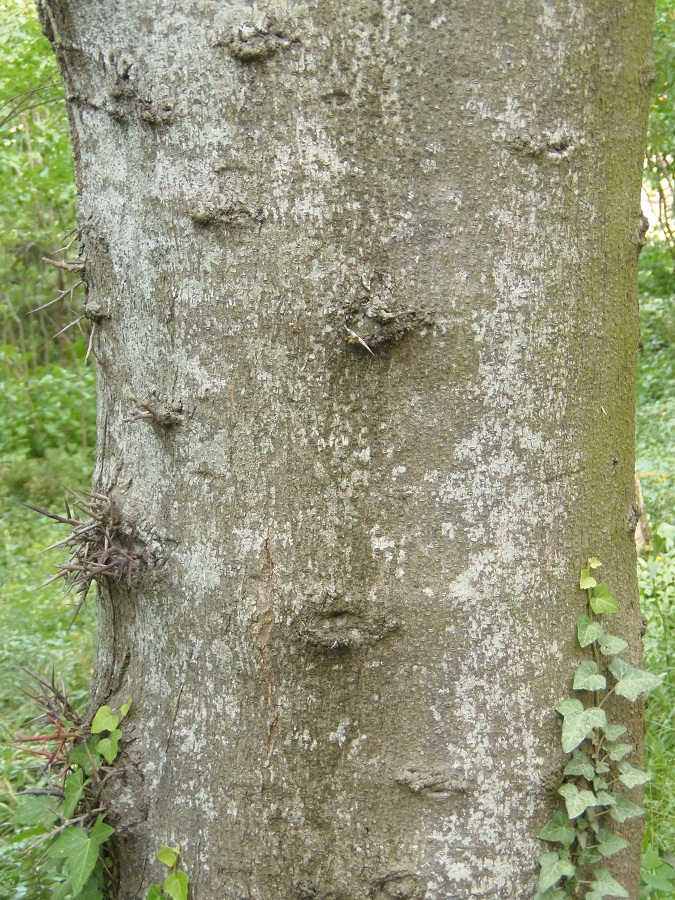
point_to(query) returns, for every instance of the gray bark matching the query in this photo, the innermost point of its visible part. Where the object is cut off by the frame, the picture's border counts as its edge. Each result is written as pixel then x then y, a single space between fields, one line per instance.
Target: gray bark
pixel 368 268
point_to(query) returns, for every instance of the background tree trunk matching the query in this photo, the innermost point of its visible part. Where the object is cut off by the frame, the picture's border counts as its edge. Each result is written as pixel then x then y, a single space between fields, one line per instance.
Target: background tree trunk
pixel 368 268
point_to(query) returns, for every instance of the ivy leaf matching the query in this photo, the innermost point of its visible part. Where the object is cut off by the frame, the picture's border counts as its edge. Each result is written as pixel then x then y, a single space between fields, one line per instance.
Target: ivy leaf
pixel 73 791
pixel 606 799
pixel 80 757
pixel 586 582
pixel 586 677
pixel 124 709
pixel 610 843
pixel 602 768
pixel 553 869
pixel 576 801
pixel 611 645
pixel 81 850
pixel 618 751
pixel 605 886
pixel 577 722
pixel 176 886
pixel 154 893
pixel 632 682
pixel 614 732
pixel 168 855
pixel 588 631
pixel 580 764
pixel 558 830
pixel 93 889
pixel 63 892
pixel 107 746
pixel 624 809
pixel 632 777
pixel 602 601
pixel 104 720
pixel 588 857
pixel 36 811
pixel 594 563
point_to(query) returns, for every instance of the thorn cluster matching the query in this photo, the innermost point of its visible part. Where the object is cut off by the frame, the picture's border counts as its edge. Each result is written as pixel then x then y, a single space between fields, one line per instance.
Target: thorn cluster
pixel 95 549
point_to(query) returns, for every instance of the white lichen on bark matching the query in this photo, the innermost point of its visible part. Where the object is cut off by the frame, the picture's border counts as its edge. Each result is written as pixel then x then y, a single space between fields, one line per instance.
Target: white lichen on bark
pixel 359 604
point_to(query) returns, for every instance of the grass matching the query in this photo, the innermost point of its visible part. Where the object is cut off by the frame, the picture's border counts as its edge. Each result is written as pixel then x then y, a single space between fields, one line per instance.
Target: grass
pixel 656 567
pixel 34 622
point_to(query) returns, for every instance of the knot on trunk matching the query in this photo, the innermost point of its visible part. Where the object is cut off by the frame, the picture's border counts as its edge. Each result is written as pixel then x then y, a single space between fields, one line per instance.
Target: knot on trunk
pixel 378 317
pixel 252 43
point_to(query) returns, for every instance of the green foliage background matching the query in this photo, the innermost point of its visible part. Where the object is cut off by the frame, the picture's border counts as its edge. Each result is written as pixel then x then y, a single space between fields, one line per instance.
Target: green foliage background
pixel 47 426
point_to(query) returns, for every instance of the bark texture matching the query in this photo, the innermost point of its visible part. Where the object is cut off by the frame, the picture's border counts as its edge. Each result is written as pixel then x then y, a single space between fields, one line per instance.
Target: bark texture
pixel 363 274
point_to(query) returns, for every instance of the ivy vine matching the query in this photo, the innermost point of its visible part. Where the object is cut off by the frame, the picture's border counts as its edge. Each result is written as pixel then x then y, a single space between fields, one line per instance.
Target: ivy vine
pixel 598 767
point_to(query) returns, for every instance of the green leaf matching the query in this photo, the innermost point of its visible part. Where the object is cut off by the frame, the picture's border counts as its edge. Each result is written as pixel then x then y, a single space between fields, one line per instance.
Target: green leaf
pixel 588 631
pixel 168 855
pixel 79 756
pixel 100 833
pixel 606 799
pixel 610 843
pixel 558 830
pixel 661 878
pixel 632 682
pixel 577 722
pixel 580 764
pixel 63 892
pixel 553 869
pixel 632 777
pixel 74 791
pixel 36 811
pixel 602 601
pixel 104 720
pixel 176 886
pixel 576 801
pixel 154 893
pixel 586 582
pixel 588 857
pixel 594 563
pixel 610 645
pixel 624 809
pixel 614 732
pixel 93 889
pixel 618 751
pixel 605 886
pixel 602 768
pixel 124 709
pixel 81 852
pixel 586 677
pixel 107 746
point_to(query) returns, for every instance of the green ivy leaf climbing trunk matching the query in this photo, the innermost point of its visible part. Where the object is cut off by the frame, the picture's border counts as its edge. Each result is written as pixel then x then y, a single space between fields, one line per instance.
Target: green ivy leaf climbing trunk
pixel 363 281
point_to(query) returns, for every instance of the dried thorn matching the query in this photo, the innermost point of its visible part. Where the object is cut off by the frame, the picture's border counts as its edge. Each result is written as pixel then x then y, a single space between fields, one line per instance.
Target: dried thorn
pixel 75 232
pixel 61 295
pixel 90 346
pixel 67 264
pixel 49 515
pixel 69 325
pixel 360 340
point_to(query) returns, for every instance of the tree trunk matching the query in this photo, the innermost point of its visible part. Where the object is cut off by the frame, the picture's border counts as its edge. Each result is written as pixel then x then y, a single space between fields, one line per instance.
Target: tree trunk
pixel 363 275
